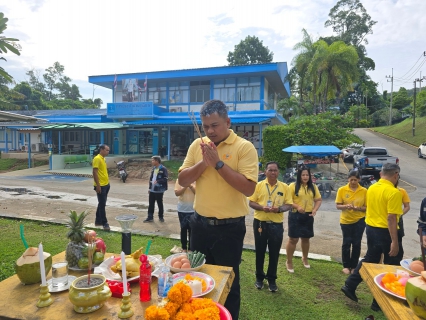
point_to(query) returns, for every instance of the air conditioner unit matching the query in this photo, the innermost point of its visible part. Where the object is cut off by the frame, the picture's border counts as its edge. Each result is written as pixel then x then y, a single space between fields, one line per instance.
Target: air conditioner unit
pixel 24 148
pixel 176 109
pixel 35 147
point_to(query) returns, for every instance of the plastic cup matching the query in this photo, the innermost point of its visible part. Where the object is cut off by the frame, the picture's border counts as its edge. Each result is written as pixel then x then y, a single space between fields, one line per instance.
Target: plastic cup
pixel 60 274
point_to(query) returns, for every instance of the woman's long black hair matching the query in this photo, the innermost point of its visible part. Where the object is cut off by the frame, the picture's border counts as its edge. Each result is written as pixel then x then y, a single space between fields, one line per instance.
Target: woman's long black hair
pixel 299 180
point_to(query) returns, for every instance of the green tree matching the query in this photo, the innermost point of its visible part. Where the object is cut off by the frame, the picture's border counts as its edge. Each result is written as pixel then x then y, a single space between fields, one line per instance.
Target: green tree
pixel 421 104
pixel 98 102
pixel 51 77
pixel 35 82
pixel 33 99
pixel 7 44
pixel 401 99
pixel 8 96
pixel 249 51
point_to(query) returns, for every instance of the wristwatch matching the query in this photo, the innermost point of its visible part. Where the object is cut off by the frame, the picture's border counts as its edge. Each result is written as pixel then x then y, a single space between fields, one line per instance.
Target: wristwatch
pixel 219 165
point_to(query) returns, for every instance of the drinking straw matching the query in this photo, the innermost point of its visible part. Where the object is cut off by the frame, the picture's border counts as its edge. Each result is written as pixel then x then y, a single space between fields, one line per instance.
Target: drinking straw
pixel 148 246
pixel 21 227
pixel 194 122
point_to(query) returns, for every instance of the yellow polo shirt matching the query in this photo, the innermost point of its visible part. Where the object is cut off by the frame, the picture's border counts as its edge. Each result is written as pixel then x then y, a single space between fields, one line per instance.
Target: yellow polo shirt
pixel 279 194
pixel 382 199
pixel 357 198
pixel 215 197
pixel 405 196
pixel 100 163
pixel 305 199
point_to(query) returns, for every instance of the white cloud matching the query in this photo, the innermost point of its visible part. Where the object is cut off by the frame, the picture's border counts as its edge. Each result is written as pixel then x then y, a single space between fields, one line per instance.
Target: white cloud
pixel 107 37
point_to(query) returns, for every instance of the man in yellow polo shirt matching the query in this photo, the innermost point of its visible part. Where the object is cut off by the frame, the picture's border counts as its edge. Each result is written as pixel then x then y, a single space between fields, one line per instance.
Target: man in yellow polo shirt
pixel 270 199
pixel 384 207
pixel 225 168
pixel 101 185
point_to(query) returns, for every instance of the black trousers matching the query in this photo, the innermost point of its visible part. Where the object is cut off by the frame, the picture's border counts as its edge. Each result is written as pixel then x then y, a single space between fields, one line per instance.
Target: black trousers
pixel 271 237
pixel 102 200
pixel 155 197
pixel 185 229
pixel 223 246
pixel 378 243
pixel 352 236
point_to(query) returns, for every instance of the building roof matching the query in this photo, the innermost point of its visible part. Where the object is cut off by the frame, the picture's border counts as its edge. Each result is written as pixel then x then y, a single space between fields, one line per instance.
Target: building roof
pixel 275 73
pixel 13 116
pixel 73 126
pixel 173 122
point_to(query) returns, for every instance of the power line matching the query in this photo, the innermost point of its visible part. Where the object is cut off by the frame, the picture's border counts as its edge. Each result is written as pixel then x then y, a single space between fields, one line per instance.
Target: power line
pixel 409 78
pixel 411 67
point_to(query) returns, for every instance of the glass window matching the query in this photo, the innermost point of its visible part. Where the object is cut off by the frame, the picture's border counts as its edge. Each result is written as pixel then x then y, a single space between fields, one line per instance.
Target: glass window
pixel 219 83
pixel 200 91
pixel 242 82
pixel 254 81
pixel 230 82
pixel 67 136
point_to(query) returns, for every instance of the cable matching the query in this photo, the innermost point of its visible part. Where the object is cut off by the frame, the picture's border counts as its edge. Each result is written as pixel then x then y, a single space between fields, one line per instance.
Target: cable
pixel 409 79
pixel 412 66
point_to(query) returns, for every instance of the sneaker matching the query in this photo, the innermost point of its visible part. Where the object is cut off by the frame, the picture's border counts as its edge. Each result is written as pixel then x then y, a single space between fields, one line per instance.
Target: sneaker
pixel 258 285
pixel 273 286
pixel 161 219
pixel 349 293
pixel 148 220
pixel 106 227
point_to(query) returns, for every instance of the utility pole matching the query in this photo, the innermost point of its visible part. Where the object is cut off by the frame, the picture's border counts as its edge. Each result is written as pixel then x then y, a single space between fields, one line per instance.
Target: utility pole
pixel 414 109
pixel 390 107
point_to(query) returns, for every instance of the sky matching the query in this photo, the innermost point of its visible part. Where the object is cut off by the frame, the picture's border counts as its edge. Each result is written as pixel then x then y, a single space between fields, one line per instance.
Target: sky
pixel 100 37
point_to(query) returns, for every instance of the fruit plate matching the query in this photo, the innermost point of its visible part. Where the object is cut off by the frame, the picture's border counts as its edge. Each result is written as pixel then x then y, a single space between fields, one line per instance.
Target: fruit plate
pixel 209 281
pixel 378 282
pixel 168 260
pixel 223 312
pixel 105 268
pixel 406 265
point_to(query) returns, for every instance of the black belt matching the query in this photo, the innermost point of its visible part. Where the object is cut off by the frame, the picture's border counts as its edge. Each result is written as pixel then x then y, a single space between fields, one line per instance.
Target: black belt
pixel 219 222
pixel 269 222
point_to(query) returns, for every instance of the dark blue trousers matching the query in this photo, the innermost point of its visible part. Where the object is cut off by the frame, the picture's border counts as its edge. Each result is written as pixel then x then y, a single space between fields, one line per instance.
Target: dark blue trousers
pixel 352 236
pixel 102 200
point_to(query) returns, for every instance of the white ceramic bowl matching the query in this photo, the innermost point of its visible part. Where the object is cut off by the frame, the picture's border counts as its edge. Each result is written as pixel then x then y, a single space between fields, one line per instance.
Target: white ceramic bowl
pixel 169 259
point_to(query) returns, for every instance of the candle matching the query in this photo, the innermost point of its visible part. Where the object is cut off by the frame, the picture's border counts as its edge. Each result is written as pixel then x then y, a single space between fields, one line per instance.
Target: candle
pixel 123 273
pixel 42 269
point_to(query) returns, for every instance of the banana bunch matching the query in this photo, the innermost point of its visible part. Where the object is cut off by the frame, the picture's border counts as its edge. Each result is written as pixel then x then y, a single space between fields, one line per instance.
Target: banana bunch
pixel 132 264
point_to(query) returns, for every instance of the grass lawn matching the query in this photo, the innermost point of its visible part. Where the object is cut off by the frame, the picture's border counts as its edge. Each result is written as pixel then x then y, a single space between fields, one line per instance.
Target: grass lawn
pixel 307 294
pixel 19 164
pixel 404 131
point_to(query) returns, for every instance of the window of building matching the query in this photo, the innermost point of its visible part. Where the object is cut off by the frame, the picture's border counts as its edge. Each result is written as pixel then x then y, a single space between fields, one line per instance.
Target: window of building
pixel 224 89
pixel 248 89
pixel 179 92
pixel 199 91
pixel 157 92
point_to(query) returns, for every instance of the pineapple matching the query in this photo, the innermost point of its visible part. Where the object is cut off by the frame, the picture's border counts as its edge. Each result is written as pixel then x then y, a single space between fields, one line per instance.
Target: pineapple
pixel 76 246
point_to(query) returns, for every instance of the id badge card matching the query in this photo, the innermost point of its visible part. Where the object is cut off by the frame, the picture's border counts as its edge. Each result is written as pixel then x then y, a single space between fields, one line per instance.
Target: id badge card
pixel 269 203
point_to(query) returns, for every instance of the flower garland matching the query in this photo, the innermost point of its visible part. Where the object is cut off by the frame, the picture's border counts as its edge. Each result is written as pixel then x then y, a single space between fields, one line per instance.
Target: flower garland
pixel 180 306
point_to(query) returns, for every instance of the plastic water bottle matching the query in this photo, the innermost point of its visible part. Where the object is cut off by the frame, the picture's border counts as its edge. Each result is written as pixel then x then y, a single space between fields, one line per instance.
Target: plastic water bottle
pixel 165 282
pixel 145 279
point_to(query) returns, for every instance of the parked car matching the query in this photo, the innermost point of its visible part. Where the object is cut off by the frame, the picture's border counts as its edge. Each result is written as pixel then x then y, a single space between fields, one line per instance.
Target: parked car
pixel 370 160
pixel 422 150
pixel 348 152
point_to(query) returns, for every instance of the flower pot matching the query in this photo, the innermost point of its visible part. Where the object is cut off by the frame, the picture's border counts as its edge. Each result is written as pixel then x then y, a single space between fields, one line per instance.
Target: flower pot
pixel 89 299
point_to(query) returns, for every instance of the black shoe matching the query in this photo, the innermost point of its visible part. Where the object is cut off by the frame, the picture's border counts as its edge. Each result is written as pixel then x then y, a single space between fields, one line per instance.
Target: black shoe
pixel 148 220
pixel 161 219
pixel 106 227
pixel 258 285
pixel 273 286
pixel 375 306
pixel 349 293
pixel 97 224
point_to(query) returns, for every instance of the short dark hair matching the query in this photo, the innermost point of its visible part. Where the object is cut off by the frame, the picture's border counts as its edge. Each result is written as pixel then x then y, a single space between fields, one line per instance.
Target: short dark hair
pixel 214 106
pixel 156 158
pixel 389 169
pixel 272 162
pixel 102 146
pixel 354 173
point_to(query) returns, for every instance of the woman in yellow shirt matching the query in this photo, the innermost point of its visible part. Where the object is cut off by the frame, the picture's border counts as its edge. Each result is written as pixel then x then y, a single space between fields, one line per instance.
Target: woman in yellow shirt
pixel 306 202
pixel 351 199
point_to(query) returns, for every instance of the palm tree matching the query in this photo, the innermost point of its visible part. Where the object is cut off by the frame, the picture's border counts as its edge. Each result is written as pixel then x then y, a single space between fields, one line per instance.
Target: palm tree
pixel 335 69
pixel 5 45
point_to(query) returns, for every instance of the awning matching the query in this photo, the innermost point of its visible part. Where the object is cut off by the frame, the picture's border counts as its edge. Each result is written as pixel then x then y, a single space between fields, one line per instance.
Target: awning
pixel 181 122
pixel 314 151
pixel 84 126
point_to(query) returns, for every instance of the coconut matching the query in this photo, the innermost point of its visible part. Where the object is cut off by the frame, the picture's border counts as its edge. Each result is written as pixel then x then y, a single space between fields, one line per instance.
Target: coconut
pixel 27 267
pixel 415 293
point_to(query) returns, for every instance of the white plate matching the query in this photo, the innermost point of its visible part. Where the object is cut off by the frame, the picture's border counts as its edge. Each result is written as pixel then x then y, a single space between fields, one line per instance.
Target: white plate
pixel 406 265
pixel 60 288
pixel 105 268
pixel 378 281
pixel 169 259
pixel 209 281
pixel 79 269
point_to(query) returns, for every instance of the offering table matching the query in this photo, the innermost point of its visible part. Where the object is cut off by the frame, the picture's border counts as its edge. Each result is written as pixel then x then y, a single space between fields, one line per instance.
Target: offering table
pixel 18 301
pixel 394 308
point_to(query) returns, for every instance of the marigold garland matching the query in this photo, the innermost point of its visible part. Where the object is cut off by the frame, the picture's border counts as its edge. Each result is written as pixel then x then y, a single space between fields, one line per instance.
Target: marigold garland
pixel 179 306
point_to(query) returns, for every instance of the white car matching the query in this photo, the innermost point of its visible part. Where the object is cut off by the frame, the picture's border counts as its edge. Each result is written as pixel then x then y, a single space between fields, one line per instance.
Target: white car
pixel 422 150
pixel 348 152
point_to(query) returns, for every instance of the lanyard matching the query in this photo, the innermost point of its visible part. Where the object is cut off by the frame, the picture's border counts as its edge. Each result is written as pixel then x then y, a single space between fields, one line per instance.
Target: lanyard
pixel 273 190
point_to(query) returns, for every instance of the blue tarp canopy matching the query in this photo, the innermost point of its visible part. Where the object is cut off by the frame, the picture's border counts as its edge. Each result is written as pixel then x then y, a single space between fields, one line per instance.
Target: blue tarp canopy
pixel 314 151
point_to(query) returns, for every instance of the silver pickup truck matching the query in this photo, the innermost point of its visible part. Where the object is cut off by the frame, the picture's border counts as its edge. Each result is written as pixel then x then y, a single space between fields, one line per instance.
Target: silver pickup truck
pixel 369 160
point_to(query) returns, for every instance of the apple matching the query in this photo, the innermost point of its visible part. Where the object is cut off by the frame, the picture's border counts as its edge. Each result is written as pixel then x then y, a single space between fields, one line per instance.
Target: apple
pixel 100 245
pixel 90 235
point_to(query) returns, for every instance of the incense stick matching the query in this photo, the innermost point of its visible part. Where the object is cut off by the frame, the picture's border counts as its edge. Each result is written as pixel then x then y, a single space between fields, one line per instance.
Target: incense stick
pixel 194 122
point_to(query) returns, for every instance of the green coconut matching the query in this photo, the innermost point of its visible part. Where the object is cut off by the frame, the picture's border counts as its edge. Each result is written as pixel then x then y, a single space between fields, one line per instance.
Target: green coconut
pixel 415 293
pixel 27 267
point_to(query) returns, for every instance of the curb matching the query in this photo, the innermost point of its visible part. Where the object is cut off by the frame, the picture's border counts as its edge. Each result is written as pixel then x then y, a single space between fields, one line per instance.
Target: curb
pixel 174 236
